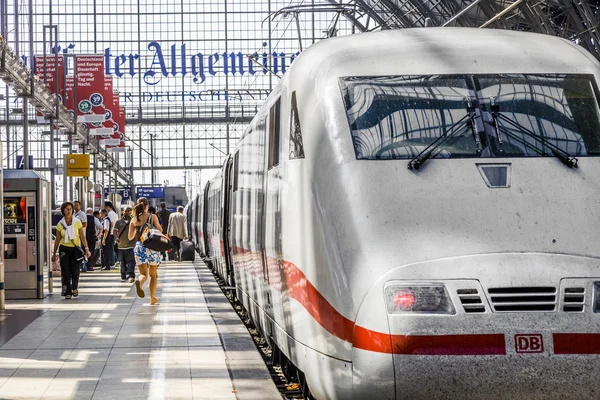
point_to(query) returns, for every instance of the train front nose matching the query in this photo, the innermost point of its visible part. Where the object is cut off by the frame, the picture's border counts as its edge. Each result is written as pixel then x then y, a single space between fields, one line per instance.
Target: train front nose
pixel 483 334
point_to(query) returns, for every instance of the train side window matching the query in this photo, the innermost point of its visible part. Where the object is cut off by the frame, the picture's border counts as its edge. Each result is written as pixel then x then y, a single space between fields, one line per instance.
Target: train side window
pixel 236 170
pixel 296 146
pixel 274 133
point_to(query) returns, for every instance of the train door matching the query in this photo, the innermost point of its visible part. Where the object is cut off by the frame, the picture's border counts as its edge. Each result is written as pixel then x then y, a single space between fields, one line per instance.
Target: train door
pixel 226 220
pixel 205 218
pixel 270 207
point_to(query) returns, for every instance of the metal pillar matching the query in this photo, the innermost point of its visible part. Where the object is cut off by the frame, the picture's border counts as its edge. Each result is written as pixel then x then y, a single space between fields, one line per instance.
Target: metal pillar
pixel 17 38
pixel 25 103
pixel 2 296
pixel 65 167
pixel 103 186
pixel 65 180
pixel 4 32
pixel 152 158
pixel 53 44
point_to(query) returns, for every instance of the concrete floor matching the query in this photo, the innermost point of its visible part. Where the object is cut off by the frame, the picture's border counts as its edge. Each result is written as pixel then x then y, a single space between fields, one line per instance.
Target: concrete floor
pixel 110 344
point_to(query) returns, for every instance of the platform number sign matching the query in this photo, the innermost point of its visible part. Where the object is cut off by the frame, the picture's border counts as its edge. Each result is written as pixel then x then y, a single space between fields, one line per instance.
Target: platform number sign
pixel 125 193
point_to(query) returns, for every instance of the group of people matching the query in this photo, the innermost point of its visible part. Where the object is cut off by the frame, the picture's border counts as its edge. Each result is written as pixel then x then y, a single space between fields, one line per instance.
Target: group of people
pixel 77 234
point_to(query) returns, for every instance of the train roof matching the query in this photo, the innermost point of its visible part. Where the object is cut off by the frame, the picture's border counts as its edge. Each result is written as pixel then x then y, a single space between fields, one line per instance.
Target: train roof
pixel 441 51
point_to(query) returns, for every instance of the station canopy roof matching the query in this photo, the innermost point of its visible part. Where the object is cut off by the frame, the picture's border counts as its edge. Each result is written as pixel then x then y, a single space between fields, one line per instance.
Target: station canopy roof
pixel 573 20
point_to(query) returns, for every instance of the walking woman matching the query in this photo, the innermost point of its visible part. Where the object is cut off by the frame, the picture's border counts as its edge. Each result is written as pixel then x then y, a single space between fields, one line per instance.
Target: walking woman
pixel 69 236
pixel 147 260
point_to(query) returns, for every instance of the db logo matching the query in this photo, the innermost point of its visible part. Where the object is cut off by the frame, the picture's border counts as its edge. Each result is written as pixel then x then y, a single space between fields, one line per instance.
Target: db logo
pixel 529 344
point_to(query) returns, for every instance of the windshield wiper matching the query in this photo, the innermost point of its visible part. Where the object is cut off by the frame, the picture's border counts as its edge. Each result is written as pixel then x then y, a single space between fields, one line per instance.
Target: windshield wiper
pixel 559 153
pixel 424 155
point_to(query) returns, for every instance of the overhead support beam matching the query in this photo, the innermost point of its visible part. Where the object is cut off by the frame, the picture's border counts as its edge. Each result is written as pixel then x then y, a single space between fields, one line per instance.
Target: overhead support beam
pixel 373 14
pixel 351 18
pixel 165 121
pixel 502 13
pixel 348 10
pixel 468 8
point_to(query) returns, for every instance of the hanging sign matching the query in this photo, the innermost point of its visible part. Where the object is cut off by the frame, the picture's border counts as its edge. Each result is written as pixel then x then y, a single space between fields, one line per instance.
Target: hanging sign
pixel 118 118
pixel 89 76
pixel 49 75
pixel 78 165
pixel 104 130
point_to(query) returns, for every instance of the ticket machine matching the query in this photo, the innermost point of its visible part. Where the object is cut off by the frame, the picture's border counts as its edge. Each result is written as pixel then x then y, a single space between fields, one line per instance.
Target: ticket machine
pixel 27 234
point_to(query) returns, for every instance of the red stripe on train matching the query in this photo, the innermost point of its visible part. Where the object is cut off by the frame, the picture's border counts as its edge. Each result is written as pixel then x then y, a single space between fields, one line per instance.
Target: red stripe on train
pixel 300 289
pixel 576 343
pixel 433 345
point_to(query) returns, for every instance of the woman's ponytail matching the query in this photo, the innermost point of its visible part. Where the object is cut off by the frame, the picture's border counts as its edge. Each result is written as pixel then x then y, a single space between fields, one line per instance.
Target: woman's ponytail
pixel 140 207
pixel 138 210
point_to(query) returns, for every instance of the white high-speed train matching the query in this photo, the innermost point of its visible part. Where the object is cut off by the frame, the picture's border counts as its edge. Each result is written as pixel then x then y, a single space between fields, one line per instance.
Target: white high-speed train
pixel 415 214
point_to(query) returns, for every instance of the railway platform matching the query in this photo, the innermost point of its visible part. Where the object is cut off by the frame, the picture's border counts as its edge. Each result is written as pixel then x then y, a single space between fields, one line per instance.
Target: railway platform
pixel 110 344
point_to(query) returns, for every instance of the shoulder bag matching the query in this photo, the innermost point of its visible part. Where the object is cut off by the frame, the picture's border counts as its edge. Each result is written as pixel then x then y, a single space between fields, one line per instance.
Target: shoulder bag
pixel 79 254
pixel 153 238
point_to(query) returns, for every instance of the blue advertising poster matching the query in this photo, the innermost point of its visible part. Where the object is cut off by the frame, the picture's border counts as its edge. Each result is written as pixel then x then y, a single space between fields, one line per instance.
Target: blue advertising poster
pixel 150 192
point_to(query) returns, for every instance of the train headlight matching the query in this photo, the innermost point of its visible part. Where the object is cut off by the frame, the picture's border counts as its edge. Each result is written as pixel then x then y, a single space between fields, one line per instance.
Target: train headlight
pixel 596 300
pixel 418 298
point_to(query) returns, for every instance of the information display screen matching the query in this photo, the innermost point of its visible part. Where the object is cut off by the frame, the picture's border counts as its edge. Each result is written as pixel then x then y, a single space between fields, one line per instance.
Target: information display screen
pixel 15 210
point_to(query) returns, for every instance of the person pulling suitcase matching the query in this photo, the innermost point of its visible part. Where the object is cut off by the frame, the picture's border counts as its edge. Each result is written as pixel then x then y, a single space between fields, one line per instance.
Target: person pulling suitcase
pixel 177 231
pixel 188 251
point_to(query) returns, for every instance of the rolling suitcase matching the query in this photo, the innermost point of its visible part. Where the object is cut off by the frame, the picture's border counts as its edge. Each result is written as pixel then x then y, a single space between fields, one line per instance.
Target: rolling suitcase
pixel 188 252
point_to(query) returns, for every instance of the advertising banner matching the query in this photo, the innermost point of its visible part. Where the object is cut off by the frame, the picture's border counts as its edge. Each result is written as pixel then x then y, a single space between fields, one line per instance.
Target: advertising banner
pixel 113 115
pixel 69 99
pixel 119 125
pixel 50 77
pixel 105 129
pixel 122 126
pixel 89 75
pixel 15 210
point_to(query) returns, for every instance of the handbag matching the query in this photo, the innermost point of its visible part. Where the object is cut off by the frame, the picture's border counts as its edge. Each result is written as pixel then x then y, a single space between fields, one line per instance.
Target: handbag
pixel 153 238
pixel 56 264
pixel 79 253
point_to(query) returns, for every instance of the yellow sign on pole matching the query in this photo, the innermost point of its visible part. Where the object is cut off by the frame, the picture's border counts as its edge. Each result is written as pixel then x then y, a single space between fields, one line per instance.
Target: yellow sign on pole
pixel 78 165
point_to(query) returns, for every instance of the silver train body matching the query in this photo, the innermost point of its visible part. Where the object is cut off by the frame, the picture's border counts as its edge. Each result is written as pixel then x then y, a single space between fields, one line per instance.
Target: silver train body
pixel 472 275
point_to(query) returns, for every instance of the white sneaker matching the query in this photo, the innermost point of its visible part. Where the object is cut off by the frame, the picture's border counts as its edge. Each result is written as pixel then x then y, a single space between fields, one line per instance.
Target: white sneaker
pixel 130 280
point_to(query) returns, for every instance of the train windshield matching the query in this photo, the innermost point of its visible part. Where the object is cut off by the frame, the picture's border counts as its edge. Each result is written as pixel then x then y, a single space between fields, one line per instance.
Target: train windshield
pixel 503 115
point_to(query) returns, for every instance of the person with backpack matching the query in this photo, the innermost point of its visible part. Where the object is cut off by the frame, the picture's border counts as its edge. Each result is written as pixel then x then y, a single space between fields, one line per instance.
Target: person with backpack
pixel 125 246
pixel 80 215
pixel 146 260
pixel 164 215
pixel 91 236
pixel 108 239
pixel 69 238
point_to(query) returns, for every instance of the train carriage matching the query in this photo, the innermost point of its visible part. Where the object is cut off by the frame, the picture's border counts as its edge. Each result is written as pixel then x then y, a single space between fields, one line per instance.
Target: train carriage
pixel 415 214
